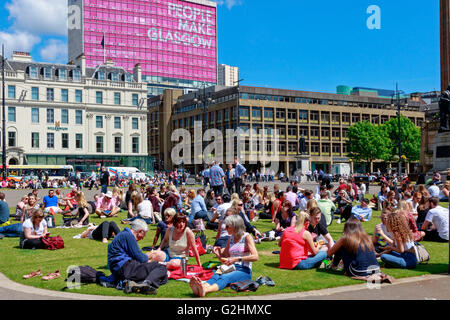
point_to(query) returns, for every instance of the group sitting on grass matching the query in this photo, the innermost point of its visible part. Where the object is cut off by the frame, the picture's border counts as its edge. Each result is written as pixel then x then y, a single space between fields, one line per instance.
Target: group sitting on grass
pixel 300 218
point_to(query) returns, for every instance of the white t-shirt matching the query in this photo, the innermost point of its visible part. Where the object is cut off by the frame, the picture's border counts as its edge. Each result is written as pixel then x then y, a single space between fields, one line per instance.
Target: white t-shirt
pixel 145 209
pixel 303 204
pixel 222 209
pixel 434 191
pixel 35 232
pixel 439 218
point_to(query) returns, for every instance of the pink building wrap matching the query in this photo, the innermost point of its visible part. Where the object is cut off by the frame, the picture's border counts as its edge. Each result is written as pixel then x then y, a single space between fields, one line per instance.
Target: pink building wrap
pixel 169 38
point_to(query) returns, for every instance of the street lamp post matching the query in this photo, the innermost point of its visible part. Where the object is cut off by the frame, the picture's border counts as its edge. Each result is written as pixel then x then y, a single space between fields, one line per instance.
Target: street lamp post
pixel 396 98
pixel 3 116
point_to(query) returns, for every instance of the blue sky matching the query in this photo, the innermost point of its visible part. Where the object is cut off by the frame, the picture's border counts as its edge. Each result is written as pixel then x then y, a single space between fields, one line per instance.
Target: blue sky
pixel 305 45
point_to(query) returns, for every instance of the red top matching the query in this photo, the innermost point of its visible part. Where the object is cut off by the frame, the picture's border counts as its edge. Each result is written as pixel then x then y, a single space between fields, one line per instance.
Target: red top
pixel 279 207
pixel 293 248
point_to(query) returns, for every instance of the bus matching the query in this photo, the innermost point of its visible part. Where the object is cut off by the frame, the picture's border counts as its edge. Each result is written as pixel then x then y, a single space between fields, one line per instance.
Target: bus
pixel 18 172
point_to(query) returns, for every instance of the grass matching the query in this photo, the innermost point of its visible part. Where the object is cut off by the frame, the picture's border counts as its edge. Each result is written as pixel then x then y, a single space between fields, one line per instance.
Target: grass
pixel 15 262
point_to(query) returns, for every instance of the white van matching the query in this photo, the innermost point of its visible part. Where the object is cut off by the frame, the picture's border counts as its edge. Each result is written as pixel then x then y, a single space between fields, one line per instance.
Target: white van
pixel 126 172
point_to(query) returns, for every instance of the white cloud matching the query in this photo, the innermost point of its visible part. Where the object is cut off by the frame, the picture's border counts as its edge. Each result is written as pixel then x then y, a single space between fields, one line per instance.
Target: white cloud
pixel 41 17
pixel 18 41
pixel 229 3
pixel 54 51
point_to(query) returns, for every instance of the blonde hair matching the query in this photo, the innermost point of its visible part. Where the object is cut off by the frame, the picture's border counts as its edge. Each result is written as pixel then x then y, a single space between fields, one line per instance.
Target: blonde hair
pixel 312 203
pixel 234 196
pixel 403 205
pixel 137 199
pixel 81 199
pixel 235 203
pixel 117 192
pixel 170 212
pixel 397 224
pixel 302 218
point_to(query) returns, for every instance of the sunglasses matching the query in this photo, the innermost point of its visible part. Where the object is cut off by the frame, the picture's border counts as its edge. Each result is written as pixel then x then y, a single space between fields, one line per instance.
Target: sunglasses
pixel 240 204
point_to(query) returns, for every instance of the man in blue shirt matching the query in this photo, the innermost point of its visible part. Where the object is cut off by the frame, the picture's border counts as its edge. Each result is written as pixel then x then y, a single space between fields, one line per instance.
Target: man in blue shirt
pixel 362 212
pixel 198 207
pixel 51 202
pixel 205 177
pixel 239 172
pixel 4 211
pixel 216 178
pixel 127 262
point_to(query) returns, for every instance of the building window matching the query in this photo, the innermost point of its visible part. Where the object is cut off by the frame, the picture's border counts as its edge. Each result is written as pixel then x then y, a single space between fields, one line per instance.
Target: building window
pixel 64 95
pixel 134 123
pixel 78 96
pixel 268 113
pixel 35 115
pixel 114 76
pixel 355 118
pixel 314 116
pixel 12 114
pixel 99 121
pixel 256 113
pixel 118 144
pixel 303 115
pixel 65 116
pixel 11 139
pixel 11 92
pixel 315 148
pixel 99 97
pixel 50 140
pixel 117 98
pixel 244 112
pixel 117 123
pixel 325 133
pixel 65 140
pixel 79 141
pixel 337 148
pixel 304 132
pixel 336 134
pixel 62 74
pixel 226 115
pixel 325 117
pixel 50 94
pixel 101 75
pixel 135 145
pixel 35 139
pixel 219 116
pixel 366 117
pixel 99 144
pixel 76 75
pixel 281 114
pixel 33 72
pixel 128 77
pixel 292 115
pixel 50 115
pixel 325 148
pixel 346 118
pixel 47 73
pixel 314 132
pixel 292 132
pixel 35 93
pixel 78 116
pixel 335 118
pixel 134 99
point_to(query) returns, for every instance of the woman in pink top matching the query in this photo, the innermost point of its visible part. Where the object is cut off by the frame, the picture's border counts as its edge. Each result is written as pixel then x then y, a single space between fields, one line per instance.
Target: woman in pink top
pixel 296 244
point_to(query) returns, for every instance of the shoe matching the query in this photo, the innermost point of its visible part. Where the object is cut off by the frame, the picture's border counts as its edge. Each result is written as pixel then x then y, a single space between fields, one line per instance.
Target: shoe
pixel 261 281
pixel 269 282
pixel 51 276
pixel 143 287
pixel 32 274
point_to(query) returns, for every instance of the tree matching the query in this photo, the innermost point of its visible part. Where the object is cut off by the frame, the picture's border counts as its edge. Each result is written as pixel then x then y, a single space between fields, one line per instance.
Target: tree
pixel 367 142
pixel 410 139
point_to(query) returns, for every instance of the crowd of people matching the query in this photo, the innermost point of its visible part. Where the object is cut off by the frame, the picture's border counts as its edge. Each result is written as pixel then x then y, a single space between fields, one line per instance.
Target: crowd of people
pixel 229 205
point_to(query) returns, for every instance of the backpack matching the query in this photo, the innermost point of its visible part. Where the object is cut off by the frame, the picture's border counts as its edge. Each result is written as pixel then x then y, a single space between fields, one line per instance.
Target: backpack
pixel 422 254
pixel 53 243
pixel 86 274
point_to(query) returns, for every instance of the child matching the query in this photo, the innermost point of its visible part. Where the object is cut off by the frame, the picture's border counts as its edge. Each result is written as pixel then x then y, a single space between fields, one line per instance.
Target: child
pixel 381 236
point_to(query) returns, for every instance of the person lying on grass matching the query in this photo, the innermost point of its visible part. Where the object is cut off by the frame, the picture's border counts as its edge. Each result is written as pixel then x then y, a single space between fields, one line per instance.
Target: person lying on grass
pixel 400 252
pixel 179 239
pixel 105 231
pixel 298 250
pixel 240 252
pixel 355 249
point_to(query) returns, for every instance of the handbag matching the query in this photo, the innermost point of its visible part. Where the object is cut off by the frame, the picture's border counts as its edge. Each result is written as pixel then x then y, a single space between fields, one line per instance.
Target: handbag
pixel 422 254
pixel 245 285
pixel 52 243
pixel 50 221
pixel 198 243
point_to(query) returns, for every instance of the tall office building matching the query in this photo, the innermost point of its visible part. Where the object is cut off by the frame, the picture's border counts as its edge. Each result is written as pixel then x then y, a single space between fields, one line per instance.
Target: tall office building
pixel 227 75
pixel 445 43
pixel 175 41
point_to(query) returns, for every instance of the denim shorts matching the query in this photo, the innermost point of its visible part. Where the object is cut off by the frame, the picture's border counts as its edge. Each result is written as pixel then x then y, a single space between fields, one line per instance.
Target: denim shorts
pixel 168 258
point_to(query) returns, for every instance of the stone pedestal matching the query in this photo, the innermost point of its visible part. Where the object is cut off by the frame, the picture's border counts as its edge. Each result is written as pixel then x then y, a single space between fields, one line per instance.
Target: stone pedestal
pixel 441 151
pixel 302 165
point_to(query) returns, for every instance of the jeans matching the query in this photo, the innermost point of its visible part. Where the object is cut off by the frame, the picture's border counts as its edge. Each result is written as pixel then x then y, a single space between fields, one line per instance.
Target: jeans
pixel 205 215
pixel 147 221
pixel 405 260
pixel 218 190
pixel 13 230
pixel 153 273
pixel 223 280
pixel 104 188
pixel 312 262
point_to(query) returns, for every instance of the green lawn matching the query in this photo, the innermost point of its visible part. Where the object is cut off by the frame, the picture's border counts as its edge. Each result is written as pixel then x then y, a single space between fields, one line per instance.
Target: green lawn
pixel 15 262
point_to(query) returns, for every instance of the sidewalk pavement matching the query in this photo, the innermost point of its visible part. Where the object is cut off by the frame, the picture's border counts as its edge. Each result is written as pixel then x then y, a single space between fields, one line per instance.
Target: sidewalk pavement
pixel 429 287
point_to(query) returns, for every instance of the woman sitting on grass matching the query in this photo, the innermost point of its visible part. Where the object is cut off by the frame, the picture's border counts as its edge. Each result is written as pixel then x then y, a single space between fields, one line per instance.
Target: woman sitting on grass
pixel 400 252
pixel 284 219
pixel 404 209
pixel 296 244
pixel 356 250
pixel 20 207
pixel 34 229
pixel 240 252
pixel 105 231
pixel 381 237
pixel 162 226
pixel 83 208
pixel 179 239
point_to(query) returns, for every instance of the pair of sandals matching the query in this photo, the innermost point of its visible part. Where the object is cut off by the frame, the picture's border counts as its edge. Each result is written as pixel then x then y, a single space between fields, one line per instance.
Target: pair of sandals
pixel 38 273
pixel 265 281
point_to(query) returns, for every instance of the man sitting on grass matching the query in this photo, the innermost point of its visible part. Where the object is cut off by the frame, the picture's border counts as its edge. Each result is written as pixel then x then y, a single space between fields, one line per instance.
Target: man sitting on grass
pixel 127 262
pixel 106 206
pixel 51 203
pixel 326 206
pixel 362 212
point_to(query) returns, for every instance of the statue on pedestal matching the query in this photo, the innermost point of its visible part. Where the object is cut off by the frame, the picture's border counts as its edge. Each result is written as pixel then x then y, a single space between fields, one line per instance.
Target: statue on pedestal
pixel 444 109
pixel 302 145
